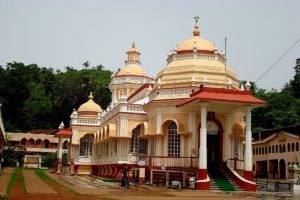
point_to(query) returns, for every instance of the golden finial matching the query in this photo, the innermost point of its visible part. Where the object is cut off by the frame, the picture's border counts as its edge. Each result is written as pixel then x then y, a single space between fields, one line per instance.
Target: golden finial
pixel 133 45
pixel 91 95
pixel 196 31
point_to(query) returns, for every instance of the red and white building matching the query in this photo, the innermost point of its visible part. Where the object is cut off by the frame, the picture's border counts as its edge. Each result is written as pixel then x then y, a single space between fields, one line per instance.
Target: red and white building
pixel 191 116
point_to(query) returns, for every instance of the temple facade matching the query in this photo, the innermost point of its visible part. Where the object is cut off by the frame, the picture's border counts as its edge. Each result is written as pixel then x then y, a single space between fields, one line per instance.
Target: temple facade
pixel 190 120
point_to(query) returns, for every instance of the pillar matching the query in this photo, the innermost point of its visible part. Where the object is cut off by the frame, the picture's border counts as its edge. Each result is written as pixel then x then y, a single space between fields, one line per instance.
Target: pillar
pixel 228 132
pixel 203 181
pixel 59 156
pixel 248 173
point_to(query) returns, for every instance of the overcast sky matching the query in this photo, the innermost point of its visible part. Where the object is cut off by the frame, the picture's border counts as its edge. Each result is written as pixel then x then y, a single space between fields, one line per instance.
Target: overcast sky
pixel 60 33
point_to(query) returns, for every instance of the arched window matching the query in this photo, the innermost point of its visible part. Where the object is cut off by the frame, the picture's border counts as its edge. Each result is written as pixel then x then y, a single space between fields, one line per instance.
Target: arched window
pixel 23 141
pixel 280 148
pixel 31 141
pixel 269 149
pixel 173 141
pixel 272 148
pixel 263 150
pixel 283 148
pixel 86 145
pixel 46 144
pixel 259 150
pixel 134 146
pixel 276 148
pixel 297 146
pixel 65 144
pixel 121 93
pixel 289 147
pixel 293 147
pixel 253 151
pixel 38 142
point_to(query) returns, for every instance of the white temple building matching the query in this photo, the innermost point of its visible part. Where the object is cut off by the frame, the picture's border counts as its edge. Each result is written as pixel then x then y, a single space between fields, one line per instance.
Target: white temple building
pixel 189 121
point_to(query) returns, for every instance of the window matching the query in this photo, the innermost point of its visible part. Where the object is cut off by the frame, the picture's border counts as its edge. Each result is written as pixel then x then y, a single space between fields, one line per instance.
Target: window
pixel 86 145
pixel 266 150
pixel 269 149
pixel 135 140
pixel 65 144
pixel 31 141
pixel 263 150
pixel 276 148
pixel 297 146
pixel 173 141
pixel 283 148
pixel 38 142
pixel 293 147
pixel 289 147
pixel 23 141
pixel 253 151
pixel 272 148
pixel 46 144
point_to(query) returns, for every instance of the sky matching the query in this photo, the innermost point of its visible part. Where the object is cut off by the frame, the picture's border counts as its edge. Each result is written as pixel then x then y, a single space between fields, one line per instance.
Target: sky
pixel 60 33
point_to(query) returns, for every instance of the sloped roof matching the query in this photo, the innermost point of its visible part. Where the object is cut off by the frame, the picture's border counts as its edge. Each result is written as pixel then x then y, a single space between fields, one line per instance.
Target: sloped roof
pixel 223 95
pixel 65 132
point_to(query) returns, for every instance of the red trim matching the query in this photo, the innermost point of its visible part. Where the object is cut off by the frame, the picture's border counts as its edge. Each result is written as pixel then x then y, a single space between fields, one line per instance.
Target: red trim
pixel 248 175
pixel 146 85
pixel 202 174
pixel 202 185
pixel 223 95
pixel 198 51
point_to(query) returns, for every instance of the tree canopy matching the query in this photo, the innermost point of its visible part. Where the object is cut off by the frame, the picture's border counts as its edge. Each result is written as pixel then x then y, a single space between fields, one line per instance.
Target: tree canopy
pixel 40 98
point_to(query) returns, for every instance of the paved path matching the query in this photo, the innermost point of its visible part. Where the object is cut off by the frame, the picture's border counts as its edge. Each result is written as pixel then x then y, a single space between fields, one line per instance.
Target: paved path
pixel 35 185
pixel 4 179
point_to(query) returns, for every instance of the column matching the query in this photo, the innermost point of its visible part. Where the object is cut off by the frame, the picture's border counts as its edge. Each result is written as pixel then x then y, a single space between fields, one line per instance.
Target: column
pixel 59 156
pixel 228 132
pixel 203 181
pixel 248 174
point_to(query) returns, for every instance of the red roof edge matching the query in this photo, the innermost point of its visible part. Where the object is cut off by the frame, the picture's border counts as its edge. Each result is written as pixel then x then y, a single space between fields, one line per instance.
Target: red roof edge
pixel 146 85
pixel 65 132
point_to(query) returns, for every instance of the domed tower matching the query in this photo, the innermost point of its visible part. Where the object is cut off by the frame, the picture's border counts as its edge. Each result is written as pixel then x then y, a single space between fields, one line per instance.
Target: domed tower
pixel 194 62
pixel 89 109
pixel 129 78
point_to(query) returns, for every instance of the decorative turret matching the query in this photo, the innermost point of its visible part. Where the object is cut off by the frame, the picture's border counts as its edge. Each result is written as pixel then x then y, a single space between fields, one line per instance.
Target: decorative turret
pixel 196 31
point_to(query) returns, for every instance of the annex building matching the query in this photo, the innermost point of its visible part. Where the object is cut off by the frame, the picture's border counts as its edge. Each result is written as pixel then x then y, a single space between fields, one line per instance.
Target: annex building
pixel 191 120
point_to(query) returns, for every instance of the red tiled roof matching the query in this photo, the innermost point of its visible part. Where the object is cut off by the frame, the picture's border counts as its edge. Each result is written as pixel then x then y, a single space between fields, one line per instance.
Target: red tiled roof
pixel 146 85
pixel 223 95
pixel 65 132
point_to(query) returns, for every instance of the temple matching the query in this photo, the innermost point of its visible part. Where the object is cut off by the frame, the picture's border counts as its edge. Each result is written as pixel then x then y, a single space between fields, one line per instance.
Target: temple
pixel 189 121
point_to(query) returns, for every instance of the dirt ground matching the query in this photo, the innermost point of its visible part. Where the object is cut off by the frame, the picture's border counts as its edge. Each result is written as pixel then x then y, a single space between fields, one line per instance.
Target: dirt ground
pixel 75 192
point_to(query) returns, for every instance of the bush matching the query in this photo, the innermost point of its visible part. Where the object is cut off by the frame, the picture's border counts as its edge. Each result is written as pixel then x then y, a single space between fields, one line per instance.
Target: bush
pixel 49 160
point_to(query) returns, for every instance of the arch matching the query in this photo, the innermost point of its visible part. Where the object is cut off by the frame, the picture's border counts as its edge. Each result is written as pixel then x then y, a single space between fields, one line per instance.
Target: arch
pixel 86 145
pixel 218 137
pixel 38 142
pixel 276 148
pixel 282 168
pixel 65 144
pixel 31 141
pixel 23 141
pixel 166 123
pixel 297 146
pixel 46 144
pixel 289 147
pixel 293 147
pixel 283 148
pixel 273 149
pixel 174 140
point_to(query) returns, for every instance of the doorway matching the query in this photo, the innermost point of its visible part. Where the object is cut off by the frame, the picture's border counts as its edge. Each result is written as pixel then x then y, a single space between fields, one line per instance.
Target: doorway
pixel 213 155
pixel 282 169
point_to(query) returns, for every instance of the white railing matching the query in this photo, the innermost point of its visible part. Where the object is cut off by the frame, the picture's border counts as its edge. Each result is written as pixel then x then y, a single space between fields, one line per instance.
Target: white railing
pixel 88 122
pixel 158 161
pixel 196 56
pixel 236 164
pixel 135 108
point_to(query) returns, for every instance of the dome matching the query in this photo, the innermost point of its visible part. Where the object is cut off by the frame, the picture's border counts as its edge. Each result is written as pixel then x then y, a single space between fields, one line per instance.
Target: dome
pixel 194 62
pixel 89 107
pixel 131 70
pixel 200 43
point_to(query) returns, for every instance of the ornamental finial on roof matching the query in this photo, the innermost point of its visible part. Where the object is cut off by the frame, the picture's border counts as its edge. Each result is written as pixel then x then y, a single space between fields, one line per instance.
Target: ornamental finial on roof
pixel 133 45
pixel 196 31
pixel 91 95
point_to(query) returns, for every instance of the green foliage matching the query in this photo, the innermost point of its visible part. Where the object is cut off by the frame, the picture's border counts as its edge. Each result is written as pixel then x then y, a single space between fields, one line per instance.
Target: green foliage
pixel 14 154
pixel 49 160
pixel 39 98
pixel 64 160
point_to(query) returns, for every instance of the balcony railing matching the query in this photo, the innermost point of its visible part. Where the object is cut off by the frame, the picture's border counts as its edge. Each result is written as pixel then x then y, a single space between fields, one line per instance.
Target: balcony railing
pixel 236 164
pixel 163 161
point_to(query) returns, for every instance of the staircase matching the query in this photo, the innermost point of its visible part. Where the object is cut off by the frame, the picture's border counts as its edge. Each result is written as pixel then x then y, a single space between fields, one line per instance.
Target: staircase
pixel 220 180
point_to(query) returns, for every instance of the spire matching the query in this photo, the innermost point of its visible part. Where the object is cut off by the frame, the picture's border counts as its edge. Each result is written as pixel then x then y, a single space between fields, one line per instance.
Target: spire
pixel 196 31
pixel 133 55
pixel 91 95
